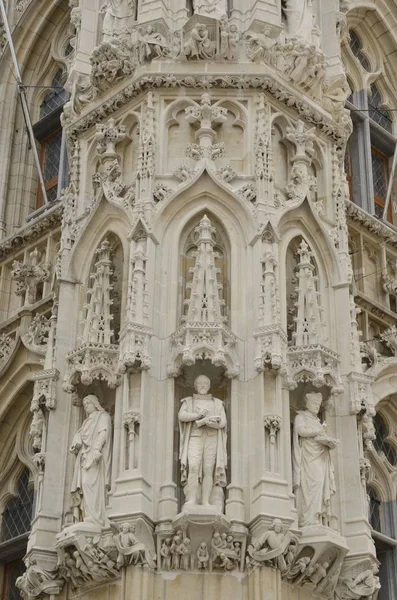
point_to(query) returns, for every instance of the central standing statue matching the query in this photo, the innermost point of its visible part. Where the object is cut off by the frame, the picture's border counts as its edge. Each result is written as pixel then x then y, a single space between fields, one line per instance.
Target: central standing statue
pixel 313 472
pixel 91 478
pixel 203 457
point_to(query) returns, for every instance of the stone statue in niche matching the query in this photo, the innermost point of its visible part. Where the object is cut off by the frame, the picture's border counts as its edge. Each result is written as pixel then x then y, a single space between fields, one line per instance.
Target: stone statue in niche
pixel 203 457
pixel 313 472
pixel 118 18
pixel 91 478
pixel 299 14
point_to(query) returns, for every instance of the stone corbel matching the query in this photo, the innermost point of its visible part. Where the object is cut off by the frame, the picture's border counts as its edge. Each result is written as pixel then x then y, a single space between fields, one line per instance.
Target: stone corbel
pixel 358 579
pixel 39 582
pixel 361 395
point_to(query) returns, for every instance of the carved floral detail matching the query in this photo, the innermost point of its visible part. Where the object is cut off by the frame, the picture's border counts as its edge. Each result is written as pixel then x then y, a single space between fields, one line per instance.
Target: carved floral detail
pixel 29 276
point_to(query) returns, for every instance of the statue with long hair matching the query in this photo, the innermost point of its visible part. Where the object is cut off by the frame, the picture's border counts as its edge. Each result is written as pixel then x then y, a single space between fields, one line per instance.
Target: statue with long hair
pixel 91 478
pixel 313 472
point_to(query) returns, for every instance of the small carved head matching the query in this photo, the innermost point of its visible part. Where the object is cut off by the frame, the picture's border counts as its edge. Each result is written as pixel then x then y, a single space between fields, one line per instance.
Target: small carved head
pixel 313 402
pixel 277 525
pixel 125 527
pixel 202 384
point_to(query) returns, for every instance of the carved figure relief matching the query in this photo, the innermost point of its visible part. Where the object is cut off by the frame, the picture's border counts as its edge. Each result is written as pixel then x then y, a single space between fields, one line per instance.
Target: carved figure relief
pixel 313 472
pixel 134 543
pixel 91 478
pixel 203 457
pixel 36 582
pixel 198 44
pixel 275 547
pixel 118 18
pixel 151 45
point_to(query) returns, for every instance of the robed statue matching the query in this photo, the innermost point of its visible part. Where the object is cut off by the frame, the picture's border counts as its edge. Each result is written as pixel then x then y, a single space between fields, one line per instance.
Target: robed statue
pixel 202 423
pixel 299 14
pixel 91 478
pixel 313 472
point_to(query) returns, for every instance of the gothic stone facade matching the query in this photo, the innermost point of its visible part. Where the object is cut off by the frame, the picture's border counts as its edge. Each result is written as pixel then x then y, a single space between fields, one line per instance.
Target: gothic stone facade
pixel 220 212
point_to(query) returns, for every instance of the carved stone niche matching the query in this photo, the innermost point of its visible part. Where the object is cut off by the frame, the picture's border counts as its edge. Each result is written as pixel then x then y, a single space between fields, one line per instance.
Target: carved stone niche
pixel 201 540
pixel 318 561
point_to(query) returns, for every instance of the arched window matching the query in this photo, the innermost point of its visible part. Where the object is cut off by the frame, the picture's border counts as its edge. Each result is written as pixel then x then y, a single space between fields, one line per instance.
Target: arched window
pixel 357 49
pixel 380 443
pixel 17 516
pixel 48 132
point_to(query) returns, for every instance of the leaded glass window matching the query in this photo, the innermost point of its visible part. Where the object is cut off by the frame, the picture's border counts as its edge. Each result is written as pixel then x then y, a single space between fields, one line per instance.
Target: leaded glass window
pixel 56 98
pixel 374 509
pixel 357 49
pixel 378 114
pixel 380 443
pixel 17 517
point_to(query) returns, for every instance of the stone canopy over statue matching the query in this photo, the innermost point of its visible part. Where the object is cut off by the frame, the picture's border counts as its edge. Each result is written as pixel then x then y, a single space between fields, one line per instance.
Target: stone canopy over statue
pixel 313 472
pixel 202 422
pixel 91 478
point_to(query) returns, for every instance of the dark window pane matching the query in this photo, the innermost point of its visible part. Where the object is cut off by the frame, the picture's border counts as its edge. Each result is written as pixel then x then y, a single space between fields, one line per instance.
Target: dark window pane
pixel 52 155
pixel 17 516
pixel 380 443
pixel 356 48
pixel 379 175
pixel 12 572
pixel 374 510
pixel 378 114
pixel 57 97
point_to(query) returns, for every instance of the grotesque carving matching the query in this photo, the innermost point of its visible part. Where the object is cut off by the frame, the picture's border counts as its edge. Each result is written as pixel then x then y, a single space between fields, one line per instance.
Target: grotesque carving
pixel 91 479
pixel 202 454
pixel 313 472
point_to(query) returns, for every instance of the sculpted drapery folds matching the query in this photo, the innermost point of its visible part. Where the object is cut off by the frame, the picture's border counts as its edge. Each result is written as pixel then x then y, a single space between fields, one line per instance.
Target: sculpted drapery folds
pixel 118 17
pixel 91 478
pixel 202 422
pixel 299 15
pixel 313 471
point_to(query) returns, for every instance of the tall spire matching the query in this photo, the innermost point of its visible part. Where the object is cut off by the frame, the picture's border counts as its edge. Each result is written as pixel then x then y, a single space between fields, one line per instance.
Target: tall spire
pixel 205 304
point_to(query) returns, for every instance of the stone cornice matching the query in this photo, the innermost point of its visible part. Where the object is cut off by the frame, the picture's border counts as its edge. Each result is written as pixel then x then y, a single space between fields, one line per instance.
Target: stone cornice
pixel 47 221
pixel 339 131
pixel 357 215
